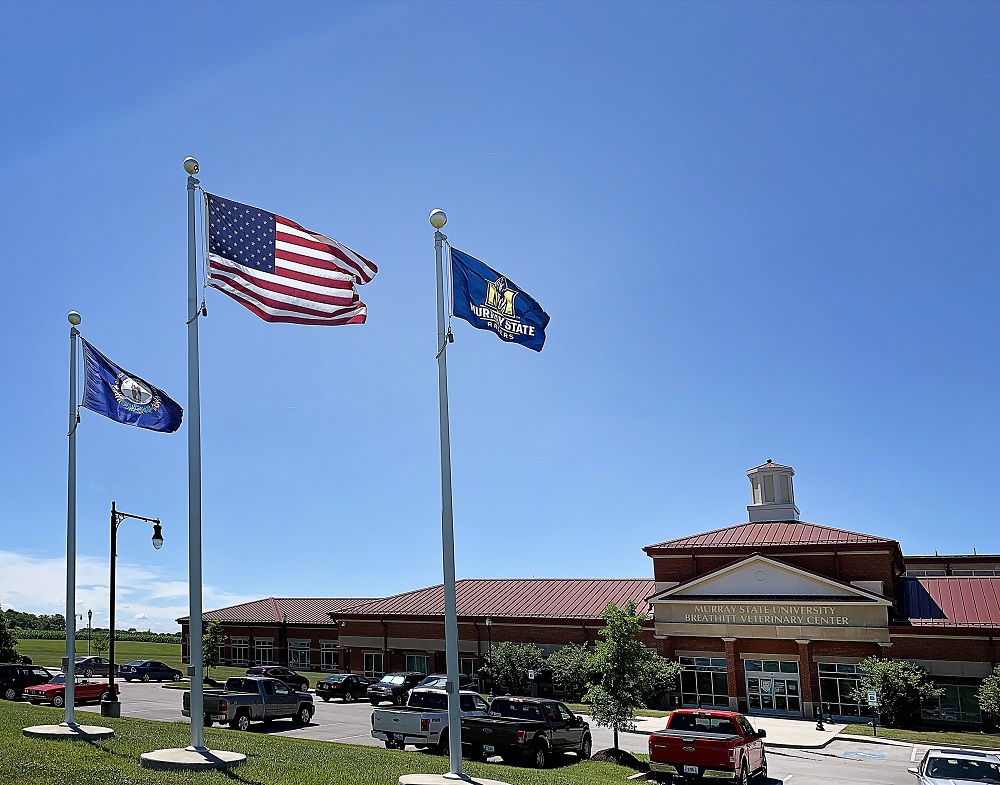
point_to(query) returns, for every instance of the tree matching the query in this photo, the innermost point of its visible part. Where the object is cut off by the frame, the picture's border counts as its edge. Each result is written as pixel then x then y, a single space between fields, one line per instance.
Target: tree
pixel 100 642
pixel 623 661
pixel 570 668
pixel 901 687
pixel 211 645
pixel 989 694
pixel 510 665
pixel 8 643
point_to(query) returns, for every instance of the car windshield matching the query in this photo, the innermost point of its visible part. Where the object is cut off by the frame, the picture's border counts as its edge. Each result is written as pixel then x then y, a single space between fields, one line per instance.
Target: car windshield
pixel 964 770
pixel 516 709
pixel 60 679
pixel 393 679
pixel 702 724
pixel 135 662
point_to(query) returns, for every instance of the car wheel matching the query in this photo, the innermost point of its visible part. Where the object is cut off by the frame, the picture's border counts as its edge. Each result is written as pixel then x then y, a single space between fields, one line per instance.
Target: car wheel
pixel 240 722
pixel 10 694
pixel 326 698
pixel 399 700
pixel 585 748
pixel 373 701
pixel 442 745
pixel 743 779
pixel 145 678
pixel 348 697
pixel 128 680
pixel 540 757
pixel 762 771
pixel 303 715
pixel 88 672
pixel 58 701
pixel 177 676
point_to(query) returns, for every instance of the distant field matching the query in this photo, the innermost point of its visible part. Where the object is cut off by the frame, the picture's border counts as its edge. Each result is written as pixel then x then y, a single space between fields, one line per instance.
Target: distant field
pixel 50 653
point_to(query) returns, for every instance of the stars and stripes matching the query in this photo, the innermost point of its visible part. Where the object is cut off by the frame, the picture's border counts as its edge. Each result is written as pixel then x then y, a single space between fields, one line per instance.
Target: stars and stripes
pixel 281 271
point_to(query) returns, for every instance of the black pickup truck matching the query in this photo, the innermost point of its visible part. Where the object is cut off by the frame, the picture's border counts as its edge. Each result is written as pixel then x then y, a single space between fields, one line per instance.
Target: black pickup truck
pixel 527 729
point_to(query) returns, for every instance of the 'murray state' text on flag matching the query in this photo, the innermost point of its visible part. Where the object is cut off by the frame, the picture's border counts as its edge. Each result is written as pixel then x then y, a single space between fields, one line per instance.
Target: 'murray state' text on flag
pixel 491 301
pixel 280 271
pixel 124 397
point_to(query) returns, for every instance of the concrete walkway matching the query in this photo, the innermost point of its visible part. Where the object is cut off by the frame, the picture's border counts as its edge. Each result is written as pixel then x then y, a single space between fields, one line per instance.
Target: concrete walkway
pixel 799 734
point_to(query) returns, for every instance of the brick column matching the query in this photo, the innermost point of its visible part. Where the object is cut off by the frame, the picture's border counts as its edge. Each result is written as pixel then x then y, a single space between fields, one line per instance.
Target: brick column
pixel 731 674
pixel 806 677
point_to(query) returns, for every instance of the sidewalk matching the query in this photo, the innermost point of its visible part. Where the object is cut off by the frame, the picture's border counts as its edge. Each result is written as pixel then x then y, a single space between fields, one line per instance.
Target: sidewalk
pixel 800 734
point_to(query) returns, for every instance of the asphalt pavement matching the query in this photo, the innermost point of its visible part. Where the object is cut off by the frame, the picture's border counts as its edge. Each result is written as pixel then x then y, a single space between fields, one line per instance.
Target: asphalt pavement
pixel 846 762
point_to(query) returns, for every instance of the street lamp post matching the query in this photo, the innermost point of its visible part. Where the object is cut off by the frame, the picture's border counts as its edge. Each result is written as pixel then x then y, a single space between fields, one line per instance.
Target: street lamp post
pixel 90 629
pixel 489 635
pixel 112 707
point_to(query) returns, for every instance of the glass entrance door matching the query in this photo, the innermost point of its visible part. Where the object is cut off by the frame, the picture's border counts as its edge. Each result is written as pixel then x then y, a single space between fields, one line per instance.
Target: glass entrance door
pixel 773 687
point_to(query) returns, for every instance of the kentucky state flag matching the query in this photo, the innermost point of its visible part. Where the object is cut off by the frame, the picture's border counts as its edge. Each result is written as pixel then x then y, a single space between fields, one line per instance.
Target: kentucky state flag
pixel 125 398
pixel 490 301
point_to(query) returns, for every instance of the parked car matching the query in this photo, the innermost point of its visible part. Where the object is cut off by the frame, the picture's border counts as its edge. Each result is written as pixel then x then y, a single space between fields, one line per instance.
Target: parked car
pixel 148 670
pixel 698 743
pixel 527 729
pixel 440 681
pixel 424 720
pixel 945 766
pixel 394 687
pixel 291 679
pixel 89 666
pixel 15 677
pixel 249 699
pixel 347 686
pixel 54 691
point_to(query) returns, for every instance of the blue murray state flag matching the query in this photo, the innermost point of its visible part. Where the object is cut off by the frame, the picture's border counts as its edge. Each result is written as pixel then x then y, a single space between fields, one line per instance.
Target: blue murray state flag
pixel 490 301
pixel 124 397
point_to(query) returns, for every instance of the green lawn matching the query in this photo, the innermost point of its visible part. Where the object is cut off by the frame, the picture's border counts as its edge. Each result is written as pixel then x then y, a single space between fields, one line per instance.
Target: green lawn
pixel 271 760
pixel 949 738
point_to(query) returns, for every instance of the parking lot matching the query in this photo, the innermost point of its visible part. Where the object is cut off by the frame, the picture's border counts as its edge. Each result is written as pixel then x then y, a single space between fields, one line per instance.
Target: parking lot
pixel 850 763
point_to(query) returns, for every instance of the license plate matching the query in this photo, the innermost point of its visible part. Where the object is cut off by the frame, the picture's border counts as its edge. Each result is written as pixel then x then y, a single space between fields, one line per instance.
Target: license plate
pixel 488 749
pixel 690 769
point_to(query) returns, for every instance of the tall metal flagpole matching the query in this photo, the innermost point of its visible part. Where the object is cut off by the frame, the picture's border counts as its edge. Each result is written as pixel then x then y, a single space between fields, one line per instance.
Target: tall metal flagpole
pixel 195 663
pixel 438 219
pixel 70 671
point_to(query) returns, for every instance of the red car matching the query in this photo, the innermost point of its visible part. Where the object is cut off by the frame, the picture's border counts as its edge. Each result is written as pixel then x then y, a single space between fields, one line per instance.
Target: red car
pixel 54 692
pixel 701 743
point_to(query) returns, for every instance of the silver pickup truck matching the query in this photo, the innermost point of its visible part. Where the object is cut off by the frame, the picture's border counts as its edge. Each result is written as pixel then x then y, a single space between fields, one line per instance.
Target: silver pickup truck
pixel 247 699
pixel 424 720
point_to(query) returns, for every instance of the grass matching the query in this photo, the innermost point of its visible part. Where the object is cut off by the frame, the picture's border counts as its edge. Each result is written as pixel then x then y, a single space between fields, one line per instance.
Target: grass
pixel 271 760
pixel 584 708
pixel 944 738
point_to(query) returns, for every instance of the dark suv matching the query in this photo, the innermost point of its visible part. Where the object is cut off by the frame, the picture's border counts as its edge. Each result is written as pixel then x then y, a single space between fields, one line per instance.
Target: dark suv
pixel 14 678
pixel 291 679
pixel 394 687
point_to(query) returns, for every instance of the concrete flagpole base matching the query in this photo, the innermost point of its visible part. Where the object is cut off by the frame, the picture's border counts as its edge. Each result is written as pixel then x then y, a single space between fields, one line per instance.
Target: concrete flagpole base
pixel 445 779
pixel 190 759
pixel 68 732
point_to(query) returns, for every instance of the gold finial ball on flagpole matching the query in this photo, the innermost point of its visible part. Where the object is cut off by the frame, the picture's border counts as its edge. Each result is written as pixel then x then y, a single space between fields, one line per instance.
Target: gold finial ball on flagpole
pixel 191 165
pixel 437 218
pixel 74 318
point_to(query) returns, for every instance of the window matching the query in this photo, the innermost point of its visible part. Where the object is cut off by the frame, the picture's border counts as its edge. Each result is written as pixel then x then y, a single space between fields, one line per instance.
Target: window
pixel 925 573
pixel 837 685
pixel 298 654
pixel 329 659
pixel 417 662
pixel 240 650
pixel 374 664
pixel 768 488
pixel 960 703
pixel 263 651
pixel 281 689
pixel 467 665
pixel 704 682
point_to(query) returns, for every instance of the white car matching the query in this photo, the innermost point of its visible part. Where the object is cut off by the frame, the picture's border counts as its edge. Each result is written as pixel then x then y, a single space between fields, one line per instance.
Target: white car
pixel 951 767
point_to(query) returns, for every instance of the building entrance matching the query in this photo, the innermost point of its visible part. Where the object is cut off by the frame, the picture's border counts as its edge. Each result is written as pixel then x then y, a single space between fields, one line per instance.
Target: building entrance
pixel 773 687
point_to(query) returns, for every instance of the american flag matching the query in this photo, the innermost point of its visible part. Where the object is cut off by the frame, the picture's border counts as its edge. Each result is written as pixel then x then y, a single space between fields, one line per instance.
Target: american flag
pixel 281 271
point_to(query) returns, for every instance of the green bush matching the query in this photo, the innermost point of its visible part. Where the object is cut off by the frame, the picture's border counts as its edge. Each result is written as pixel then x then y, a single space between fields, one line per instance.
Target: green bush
pixel 989 694
pixel 570 669
pixel 901 687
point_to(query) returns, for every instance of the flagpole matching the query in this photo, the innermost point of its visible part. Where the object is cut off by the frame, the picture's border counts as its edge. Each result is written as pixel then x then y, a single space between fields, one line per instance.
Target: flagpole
pixel 195 660
pixel 438 219
pixel 70 671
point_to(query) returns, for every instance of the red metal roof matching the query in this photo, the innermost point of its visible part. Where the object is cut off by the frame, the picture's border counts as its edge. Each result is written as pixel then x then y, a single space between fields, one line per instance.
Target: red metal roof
pixel 752 535
pixel 556 598
pixel 298 610
pixel 952 602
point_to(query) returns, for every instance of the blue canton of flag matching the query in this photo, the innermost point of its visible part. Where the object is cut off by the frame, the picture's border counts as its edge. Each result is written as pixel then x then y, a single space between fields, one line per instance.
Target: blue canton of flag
pixel 124 397
pixel 490 301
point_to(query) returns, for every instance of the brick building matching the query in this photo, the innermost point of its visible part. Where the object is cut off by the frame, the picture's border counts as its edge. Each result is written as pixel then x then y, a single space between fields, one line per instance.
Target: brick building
pixel 768 616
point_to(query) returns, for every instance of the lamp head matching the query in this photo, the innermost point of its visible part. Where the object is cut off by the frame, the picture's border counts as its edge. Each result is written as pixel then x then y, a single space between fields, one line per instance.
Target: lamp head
pixel 489 622
pixel 437 218
pixel 74 318
pixel 191 165
pixel 157 536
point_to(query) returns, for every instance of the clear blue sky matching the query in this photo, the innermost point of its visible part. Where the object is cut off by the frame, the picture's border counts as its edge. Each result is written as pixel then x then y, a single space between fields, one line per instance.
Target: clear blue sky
pixel 762 230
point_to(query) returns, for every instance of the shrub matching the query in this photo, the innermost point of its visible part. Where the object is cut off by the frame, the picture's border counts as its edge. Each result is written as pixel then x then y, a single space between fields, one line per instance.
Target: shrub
pixel 570 669
pixel 510 664
pixel 901 687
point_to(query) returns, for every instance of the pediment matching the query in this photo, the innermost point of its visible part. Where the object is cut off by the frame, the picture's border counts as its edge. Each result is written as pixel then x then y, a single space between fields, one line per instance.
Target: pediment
pixel 758 577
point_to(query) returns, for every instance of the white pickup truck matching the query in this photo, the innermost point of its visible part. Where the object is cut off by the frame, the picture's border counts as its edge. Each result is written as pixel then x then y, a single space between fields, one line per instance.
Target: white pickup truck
pixel 423 722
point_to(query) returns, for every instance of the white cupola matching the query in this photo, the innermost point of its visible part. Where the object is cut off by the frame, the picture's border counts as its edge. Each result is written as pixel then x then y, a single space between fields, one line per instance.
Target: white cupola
pixel 772 493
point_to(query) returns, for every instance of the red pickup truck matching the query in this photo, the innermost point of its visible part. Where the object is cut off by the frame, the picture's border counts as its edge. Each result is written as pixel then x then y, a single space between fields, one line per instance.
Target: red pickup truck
pixel 702 743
